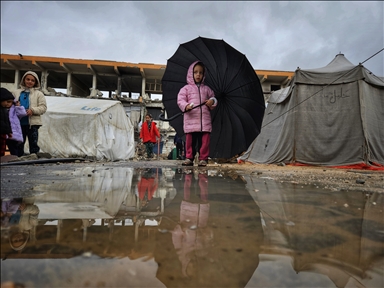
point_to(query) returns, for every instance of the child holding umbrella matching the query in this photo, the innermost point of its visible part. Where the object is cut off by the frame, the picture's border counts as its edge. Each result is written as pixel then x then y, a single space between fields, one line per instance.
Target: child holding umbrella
pixel 197 122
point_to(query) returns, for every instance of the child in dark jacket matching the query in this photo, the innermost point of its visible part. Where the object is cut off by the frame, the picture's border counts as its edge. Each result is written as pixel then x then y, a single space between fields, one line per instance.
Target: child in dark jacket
pixel 6 101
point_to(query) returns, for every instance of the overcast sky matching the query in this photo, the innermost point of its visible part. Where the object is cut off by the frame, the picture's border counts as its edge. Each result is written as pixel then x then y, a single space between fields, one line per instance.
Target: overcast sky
pixel 273 35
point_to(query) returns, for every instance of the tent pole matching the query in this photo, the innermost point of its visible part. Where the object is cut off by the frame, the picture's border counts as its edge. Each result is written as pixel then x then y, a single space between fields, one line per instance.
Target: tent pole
pixel 158 150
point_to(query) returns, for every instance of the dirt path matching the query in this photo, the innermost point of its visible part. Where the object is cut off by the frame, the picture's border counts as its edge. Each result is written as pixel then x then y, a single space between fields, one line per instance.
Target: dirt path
pixel 324 177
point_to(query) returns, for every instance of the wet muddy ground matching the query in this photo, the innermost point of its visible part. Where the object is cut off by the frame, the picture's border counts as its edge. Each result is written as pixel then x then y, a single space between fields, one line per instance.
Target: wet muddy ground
pixel 158 224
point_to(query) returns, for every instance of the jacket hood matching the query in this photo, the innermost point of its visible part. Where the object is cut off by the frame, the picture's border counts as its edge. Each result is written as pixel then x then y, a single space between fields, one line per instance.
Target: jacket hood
pixel 6 95
pixel 22 245
pixel 190 79
pixel 37 84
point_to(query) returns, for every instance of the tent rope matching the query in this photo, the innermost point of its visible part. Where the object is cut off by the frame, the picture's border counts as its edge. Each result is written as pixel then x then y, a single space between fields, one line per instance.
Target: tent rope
pixel 324 88
pixel 372 56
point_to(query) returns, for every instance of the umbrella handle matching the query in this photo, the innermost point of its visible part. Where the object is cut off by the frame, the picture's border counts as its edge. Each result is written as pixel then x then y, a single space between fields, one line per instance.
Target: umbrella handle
pixel 161 116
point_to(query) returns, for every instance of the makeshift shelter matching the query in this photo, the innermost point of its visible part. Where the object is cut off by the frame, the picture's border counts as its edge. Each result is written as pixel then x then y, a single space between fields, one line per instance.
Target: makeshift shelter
pixel 330 116
pixel 77 127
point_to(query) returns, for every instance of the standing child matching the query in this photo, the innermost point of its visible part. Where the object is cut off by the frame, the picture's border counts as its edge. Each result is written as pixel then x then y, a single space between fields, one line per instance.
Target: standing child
pixel 16 112
pixel 6 100
pixel 35 105
pixel 148 134
pixel 197 122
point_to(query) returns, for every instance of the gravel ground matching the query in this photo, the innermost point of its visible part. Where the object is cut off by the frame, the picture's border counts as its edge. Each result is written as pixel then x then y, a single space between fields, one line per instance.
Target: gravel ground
pixel 324 177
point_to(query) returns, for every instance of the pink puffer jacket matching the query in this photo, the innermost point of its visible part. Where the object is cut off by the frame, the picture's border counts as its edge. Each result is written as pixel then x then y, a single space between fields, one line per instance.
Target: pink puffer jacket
pixel 198 119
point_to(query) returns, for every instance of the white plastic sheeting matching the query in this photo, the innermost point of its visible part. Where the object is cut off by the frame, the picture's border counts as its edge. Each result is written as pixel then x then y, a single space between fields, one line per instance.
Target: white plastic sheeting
pixel 74 127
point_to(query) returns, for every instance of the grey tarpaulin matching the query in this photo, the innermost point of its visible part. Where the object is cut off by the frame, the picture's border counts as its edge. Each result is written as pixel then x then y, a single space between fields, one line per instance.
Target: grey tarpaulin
pixel 329 116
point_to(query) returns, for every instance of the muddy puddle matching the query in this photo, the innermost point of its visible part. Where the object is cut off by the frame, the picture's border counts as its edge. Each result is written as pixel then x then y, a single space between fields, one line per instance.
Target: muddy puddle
pixel 126 227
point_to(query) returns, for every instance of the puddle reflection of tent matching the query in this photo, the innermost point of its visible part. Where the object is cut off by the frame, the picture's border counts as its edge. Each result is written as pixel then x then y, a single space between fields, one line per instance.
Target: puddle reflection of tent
pixel 328 116
pixel 337 235
pixel 89 195
pixel 107 194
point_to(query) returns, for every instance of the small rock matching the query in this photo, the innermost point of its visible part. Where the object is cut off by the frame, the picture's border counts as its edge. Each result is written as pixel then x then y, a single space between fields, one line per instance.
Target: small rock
pixel 9 158
pixel 360 181
pixel 87 254
pixel 32 156
pixel 43 155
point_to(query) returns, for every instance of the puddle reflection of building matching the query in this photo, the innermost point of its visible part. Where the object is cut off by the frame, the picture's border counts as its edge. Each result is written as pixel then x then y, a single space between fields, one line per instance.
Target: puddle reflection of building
pixel 81 206
pixel 210 233
pixel 334 234
pixel 105 196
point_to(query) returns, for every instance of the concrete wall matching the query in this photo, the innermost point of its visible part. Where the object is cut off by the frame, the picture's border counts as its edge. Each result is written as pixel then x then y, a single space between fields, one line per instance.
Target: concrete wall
pixel 9 86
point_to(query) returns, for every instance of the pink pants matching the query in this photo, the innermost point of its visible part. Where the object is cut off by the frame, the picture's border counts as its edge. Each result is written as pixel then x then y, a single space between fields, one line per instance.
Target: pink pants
pixel 203 185
pixel 197 142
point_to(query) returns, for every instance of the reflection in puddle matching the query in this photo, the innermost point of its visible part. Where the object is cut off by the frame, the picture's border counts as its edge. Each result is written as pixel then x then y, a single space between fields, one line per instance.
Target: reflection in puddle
pixel 121 227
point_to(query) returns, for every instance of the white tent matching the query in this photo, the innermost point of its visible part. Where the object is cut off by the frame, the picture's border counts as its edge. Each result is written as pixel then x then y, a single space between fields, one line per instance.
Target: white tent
pixel 330 116
pixel 77 127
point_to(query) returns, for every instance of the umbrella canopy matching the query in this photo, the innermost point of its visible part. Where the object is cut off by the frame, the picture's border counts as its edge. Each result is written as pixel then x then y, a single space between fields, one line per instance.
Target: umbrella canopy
pixel 236 121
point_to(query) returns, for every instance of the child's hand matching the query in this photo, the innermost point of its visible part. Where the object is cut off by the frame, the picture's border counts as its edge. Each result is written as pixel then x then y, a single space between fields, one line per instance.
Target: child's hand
pixel 209 102
pixel 189 107
pixel 10 135
pixel 17 103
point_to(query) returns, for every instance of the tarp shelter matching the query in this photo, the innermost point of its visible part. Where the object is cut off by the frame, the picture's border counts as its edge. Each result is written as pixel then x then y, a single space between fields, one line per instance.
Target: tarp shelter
pixel 330 116
pixel 78 127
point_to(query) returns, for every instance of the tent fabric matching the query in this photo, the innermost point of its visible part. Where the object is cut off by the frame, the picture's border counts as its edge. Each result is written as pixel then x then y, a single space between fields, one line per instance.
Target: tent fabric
pixel 74 127
pixel 330 116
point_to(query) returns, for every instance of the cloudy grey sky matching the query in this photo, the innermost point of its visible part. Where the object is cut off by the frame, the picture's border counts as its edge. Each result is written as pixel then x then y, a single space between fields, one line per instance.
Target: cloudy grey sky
pixel 273 35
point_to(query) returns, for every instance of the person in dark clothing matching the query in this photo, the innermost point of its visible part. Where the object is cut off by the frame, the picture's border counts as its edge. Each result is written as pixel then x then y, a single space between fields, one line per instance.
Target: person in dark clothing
pixel 6 101
pixel 178 141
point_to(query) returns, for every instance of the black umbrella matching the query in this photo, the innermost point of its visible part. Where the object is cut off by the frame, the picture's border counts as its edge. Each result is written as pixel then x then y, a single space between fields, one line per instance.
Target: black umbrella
pixel 236 121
